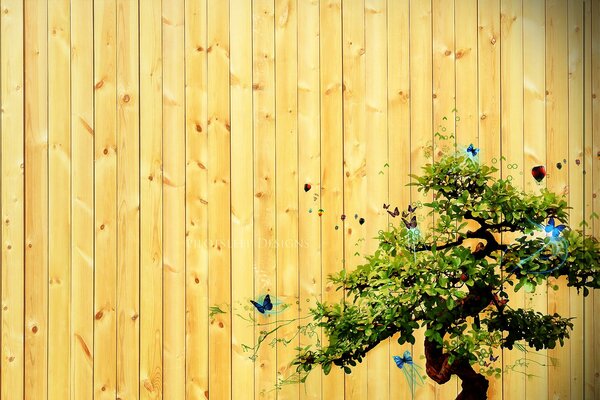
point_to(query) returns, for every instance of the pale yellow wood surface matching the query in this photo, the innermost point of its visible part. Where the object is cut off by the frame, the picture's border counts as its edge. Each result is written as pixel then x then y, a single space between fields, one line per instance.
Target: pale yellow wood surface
pixel 576 183
pixel 154 154
pixel 376 157
pixel 309 171
pixel 287 185
pixel 105 200
pixel 59 197
pixel 173 199
pixel 421 137
pixel 511 95
pixel 12 200
pixel 588 228
pixel 398 111
pixel 332 168
pixel 151 203
pixel 557 120
pixel 444 106
pixel 467 78
pixel 128 201
pixel 355 163
pixel 594 168
pixel 36 188
pixel 242 196
pixel 196 198
pixel 219 202
pixel 265 251
pixel 534 148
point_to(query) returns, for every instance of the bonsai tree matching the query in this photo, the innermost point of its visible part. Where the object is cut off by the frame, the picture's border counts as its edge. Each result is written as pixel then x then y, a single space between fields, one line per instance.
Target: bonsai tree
pixel 453 280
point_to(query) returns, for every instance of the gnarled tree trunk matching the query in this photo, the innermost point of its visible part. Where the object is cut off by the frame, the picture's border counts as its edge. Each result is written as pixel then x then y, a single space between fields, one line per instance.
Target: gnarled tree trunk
pixel 474 385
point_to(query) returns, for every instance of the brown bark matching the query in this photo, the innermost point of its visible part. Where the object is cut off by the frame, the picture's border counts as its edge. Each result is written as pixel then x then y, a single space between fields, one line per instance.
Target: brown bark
pixel 474 385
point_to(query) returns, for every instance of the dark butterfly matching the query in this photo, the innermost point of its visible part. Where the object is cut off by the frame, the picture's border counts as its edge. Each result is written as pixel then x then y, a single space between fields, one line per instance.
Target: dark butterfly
pixel 405 359
pixel 472 150
pixel 538 172
pixel 492 358
pixel 386 206
pixel 394 213
pixel 265 306
pixel 553 229
pixel 411 209
pixel 412 224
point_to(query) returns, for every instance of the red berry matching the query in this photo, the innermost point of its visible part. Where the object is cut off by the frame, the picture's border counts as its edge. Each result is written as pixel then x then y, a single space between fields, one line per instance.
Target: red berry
pixel 464 277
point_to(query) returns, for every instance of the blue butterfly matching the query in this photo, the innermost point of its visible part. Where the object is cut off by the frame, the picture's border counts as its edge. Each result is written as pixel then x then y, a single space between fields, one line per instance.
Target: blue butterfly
pixel 265 306
pixel 554 230
pixel 405 359
pixel 472 150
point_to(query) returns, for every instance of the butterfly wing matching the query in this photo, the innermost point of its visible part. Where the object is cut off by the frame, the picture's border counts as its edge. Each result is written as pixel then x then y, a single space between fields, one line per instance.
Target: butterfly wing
pixel 267 305
pixel 557 230
pixel 258 306
pixel 407 357
pixel 470 148
pixel 413 222
pixel 550 227
pixel 399 361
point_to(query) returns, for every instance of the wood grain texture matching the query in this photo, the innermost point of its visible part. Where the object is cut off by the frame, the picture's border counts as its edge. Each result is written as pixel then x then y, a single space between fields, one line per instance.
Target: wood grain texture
pixel 174 184
pixel 128 201
pixel 332 168
pixel 154 154
pixel 12 200
pixel 105 200
pixel 36 212
pixel 59 198
pixel 151 203
pixel 196 198
pixel 309 171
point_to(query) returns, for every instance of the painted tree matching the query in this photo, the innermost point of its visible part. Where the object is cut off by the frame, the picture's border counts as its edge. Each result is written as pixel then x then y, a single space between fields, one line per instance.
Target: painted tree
pixel 454 280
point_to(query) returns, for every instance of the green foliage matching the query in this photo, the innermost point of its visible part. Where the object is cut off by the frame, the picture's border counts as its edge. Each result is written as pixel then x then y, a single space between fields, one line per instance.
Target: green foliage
pixel 437 281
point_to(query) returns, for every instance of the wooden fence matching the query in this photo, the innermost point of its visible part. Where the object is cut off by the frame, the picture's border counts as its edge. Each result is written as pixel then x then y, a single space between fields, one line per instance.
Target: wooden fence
pixel 154 154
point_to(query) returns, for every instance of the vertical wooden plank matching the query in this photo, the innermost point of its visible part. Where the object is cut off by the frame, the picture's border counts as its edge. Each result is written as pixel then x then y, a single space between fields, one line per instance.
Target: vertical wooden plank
pixel 586 166
pixel 219 193
pixel 421 133
pixel 12 200
pixel 355 183
pixel 466 63
pixel 82 200
pixel 105 197
pixel 196 201
pixel 594 168
pixel 309 171
pixel 36 202
pixel 444 104
pixel 534 148
pixel 59 196
pixel 398 93
pixel 512 124
pixel 332 169
pixel 151 202
pixel 489 105
pixel 173 199
pixel 128 201
pixel 286 181
pixel 376 158
pixel 265 255
pixel 557 114
pixel 575 176
pixel 242 194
